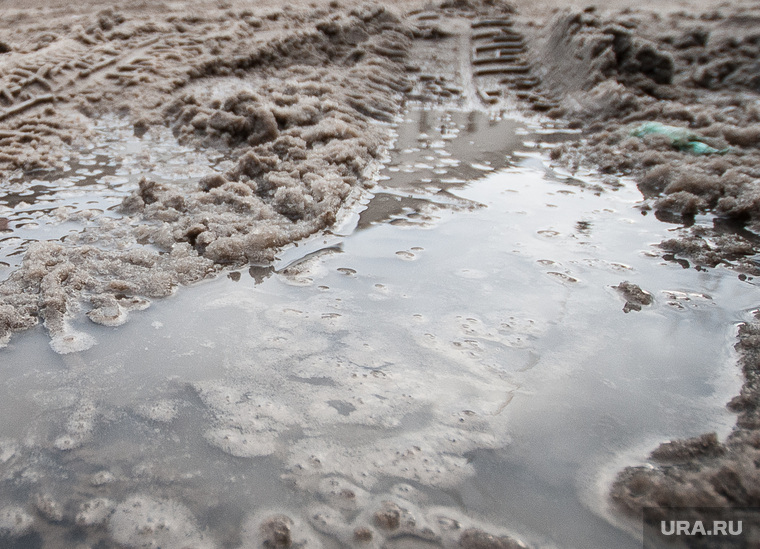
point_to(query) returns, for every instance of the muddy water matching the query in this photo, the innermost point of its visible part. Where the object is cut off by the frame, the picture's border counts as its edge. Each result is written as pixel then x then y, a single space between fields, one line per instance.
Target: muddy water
pixel 456 347
pixel 53 204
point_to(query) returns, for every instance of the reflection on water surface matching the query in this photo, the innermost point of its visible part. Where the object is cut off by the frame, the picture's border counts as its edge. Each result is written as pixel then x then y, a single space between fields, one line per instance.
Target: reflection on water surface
pixel 454 353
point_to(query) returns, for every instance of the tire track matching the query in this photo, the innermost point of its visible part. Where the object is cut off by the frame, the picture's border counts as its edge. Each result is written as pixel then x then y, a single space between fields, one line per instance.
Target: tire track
pixel 484 59
pixel 72 68
pixel 500 64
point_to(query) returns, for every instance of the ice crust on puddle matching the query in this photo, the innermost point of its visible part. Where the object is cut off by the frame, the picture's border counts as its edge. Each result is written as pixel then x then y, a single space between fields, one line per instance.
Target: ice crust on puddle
pixel 78 428
pixel 14 521
pixel 94 512
pixel 162 411
pixel 363 420
pixel 145 522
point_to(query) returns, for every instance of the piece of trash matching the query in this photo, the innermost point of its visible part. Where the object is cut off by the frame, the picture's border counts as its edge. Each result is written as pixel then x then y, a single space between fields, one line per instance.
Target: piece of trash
pixel 682 139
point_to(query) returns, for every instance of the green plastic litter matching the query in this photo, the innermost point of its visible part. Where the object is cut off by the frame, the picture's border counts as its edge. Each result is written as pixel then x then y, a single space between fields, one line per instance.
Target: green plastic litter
pixel 680 138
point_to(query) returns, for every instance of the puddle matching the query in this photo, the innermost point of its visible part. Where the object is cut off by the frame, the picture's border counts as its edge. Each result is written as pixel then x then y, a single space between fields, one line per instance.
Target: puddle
pixel 51 205
pixel 457 347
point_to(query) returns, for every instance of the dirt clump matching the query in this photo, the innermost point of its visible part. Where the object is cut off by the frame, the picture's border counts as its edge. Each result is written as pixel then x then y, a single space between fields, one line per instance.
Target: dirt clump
pixel 388 518
pixel 362 534
pixel 611 72
pixel 703 472
pixel 472 538
pixel 275 532
pixel 635 297
pixel 684 450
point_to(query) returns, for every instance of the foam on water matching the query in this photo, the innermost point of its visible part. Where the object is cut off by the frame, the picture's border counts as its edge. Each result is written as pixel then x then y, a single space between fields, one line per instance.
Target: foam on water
pixel 452 362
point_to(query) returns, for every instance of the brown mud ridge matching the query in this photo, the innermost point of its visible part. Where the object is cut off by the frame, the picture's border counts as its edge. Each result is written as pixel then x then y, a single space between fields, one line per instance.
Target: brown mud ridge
pixel 300 108
pixel 302 100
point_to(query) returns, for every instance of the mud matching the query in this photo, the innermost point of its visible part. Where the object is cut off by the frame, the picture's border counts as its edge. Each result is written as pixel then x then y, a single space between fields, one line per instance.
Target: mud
pixel 635 297
pixel 331 398
pixel 704 471
pixel 293 113
pixel 299 111
pixel 608 73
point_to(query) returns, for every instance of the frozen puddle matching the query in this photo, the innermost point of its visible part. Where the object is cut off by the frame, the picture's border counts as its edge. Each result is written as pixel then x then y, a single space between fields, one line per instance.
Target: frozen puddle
pixel 453 357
